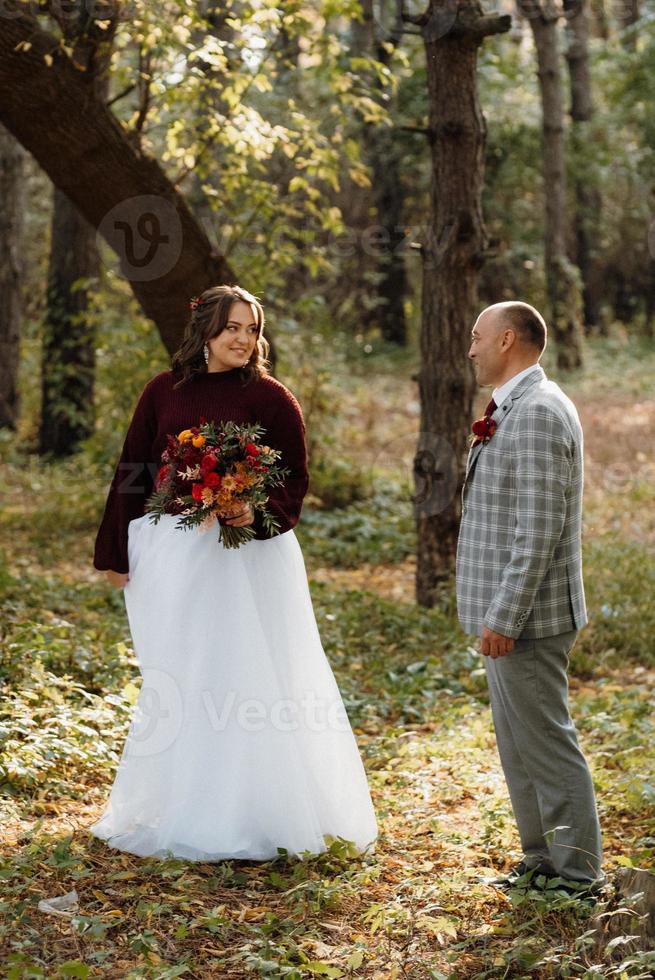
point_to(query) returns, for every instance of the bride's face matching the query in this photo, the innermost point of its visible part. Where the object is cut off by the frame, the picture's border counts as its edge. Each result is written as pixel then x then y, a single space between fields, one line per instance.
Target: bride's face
pixel 234 345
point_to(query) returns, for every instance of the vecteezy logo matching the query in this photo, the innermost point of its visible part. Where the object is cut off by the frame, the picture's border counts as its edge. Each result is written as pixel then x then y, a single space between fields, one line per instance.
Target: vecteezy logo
pixel 427 467
pixel 435 475
pixel 146 234
pixel 441 20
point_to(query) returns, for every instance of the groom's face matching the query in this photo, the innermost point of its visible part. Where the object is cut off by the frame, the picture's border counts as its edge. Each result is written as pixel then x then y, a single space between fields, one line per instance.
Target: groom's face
pixel 487 351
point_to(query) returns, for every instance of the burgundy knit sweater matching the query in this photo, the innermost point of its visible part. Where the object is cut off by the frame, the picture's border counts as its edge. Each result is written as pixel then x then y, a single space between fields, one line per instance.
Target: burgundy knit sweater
pixel 219 396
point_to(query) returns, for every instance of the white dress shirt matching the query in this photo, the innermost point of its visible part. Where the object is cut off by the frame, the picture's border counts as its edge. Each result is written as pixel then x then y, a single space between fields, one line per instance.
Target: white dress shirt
pixel 500 394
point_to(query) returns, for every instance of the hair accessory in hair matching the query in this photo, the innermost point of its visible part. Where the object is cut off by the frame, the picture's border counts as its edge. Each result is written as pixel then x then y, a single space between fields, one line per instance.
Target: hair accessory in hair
pixel 194 302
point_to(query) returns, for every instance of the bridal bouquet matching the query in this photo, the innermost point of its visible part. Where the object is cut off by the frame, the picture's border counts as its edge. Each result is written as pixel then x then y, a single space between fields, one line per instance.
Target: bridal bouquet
pixel 209 472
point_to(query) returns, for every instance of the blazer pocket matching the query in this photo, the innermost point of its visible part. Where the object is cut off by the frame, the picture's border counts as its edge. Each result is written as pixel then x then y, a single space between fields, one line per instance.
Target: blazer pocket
pixel 575 588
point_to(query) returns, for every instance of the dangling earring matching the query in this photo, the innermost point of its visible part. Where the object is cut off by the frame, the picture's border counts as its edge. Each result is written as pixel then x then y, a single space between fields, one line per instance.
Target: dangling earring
pixel 205 351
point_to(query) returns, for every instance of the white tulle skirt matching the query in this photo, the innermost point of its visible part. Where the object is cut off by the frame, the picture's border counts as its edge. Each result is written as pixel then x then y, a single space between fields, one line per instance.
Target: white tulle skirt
pixel 240 743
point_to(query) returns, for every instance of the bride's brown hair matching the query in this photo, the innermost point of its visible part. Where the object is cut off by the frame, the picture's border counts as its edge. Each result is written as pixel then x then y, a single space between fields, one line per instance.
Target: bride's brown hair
pixel 207 320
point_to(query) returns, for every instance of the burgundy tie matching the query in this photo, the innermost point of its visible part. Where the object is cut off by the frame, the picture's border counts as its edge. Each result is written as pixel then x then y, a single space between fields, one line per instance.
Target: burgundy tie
pixel 491 408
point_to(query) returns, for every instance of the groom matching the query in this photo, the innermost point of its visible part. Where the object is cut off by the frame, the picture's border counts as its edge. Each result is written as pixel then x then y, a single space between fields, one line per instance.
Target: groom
pixel 519 588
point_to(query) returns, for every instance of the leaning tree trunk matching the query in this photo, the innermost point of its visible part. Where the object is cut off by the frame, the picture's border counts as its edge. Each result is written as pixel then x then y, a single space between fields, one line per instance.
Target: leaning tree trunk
pixel 587 195
pixel 165 254
pixel 452 254
pixel 562 277
pixel 12 165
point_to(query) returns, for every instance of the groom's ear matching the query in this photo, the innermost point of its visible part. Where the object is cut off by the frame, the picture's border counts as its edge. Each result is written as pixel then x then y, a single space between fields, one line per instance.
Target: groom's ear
pixel 508 339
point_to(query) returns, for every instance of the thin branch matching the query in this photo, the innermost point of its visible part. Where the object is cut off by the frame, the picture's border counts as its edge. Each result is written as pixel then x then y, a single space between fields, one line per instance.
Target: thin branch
pixel 121 95
pixel 424 131
pixel 484 26
pixel 467 21
pixel 144 82
pixel 408 18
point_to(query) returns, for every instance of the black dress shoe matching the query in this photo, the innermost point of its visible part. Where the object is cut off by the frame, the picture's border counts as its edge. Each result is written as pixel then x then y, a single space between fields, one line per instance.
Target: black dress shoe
pixel 543 878
pixel 522 874
pixel 577 889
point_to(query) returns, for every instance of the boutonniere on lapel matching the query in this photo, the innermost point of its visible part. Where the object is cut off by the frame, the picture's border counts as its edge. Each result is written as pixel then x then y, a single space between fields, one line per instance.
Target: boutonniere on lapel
pixel 483 429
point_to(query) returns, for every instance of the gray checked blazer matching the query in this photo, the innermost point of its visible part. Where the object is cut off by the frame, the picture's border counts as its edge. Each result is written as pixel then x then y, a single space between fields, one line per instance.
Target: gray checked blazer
pixel 519 563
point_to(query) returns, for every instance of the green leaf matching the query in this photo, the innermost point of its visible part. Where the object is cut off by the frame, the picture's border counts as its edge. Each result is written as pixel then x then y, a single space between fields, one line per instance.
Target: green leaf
pixel 355 959
pixel 74 968
pixel 322 969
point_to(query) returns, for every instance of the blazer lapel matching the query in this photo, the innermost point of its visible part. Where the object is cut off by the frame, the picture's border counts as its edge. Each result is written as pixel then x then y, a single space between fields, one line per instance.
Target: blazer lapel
pixel 473 455
pixel 503 411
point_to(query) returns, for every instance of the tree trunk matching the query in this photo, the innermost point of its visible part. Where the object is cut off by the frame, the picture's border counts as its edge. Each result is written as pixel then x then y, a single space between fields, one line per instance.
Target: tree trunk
pixel 600 22
pixel 68 352
pixel 12 166
pixel 452 254
pixel 165 254
pixel 635 889
pixel 628 15
pixel 383 153
pixel 649 318
pixel 384 157
pixel 562 278
pixel 587 195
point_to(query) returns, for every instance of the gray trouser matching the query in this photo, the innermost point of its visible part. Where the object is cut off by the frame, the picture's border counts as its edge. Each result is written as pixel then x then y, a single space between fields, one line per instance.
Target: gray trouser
pixel 547 776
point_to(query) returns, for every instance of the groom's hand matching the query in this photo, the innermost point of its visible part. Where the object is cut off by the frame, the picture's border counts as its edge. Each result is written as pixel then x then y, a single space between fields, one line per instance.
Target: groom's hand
pixel 495 644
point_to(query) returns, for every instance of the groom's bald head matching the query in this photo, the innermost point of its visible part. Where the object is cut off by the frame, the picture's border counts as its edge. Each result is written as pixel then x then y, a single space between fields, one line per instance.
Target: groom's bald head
pixel 526 322
pixel 506 338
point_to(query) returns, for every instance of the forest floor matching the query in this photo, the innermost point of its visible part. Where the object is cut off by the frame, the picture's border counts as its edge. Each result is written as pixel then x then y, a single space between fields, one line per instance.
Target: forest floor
pixel 417 907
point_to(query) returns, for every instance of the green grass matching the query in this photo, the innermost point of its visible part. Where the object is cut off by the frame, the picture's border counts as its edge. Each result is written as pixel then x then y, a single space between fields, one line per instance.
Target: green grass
pixel 378 529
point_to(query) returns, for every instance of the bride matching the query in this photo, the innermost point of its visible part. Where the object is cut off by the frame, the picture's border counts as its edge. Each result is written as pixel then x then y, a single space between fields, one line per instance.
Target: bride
pixel 240 744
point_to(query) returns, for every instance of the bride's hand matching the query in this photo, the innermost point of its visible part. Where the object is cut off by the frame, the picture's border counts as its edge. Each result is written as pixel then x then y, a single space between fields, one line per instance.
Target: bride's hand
pixel 119 579
pixel 243 516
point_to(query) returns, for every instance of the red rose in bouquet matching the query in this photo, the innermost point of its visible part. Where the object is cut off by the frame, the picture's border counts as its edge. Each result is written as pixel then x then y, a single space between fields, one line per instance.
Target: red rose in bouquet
pixel 210 471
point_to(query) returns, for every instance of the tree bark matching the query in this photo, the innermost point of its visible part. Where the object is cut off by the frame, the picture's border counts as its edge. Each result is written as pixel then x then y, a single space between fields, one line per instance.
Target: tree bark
pixel 562 278
pixel 12 166
pixel 635 888
pixel 600 22
pixel 165 255
pixel 452 254
pixel 628 15
pixel 588 201
pixel 68 349
pixel 383 153
pixel 389 201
